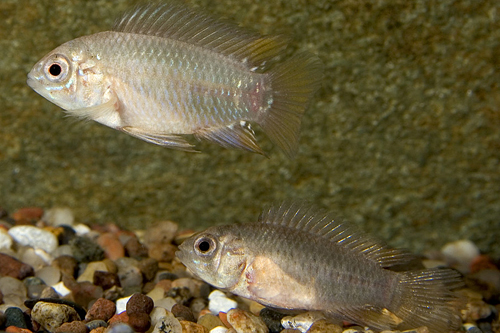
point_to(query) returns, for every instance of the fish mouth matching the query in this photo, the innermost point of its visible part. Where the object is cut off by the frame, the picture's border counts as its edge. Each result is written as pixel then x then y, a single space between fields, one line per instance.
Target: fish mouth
pixel 31 81
pixel 179 254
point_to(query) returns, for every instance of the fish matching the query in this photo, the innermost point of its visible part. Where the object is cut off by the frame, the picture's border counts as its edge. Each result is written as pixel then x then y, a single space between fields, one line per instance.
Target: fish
pixel 166 71
pixel 297 257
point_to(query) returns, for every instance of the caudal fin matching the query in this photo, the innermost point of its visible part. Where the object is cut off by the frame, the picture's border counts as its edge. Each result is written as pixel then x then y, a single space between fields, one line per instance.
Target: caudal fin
pixel 427 299
pixel 293 83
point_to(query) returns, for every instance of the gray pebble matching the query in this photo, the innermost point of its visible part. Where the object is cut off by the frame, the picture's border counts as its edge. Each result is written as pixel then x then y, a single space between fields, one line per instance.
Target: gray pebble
pixel 120 328
pixel 15 317
pixel 272 319
pixel 86 250
pixel 95 324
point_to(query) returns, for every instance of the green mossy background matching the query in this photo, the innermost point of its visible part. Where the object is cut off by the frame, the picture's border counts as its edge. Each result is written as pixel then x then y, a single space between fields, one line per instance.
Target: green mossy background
pixel 403 138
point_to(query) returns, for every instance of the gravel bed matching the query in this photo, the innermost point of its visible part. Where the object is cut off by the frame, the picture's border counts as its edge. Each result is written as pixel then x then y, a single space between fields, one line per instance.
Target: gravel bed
pixel 58 275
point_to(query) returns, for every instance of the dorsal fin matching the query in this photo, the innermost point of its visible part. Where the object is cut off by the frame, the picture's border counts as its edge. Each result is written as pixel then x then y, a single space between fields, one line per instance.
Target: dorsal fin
pixel 310 219
pixel 176 20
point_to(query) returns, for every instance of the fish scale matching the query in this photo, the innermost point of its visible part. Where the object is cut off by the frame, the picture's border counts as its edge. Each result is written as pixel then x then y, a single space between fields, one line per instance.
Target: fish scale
pixel 297 257
pixel 166 71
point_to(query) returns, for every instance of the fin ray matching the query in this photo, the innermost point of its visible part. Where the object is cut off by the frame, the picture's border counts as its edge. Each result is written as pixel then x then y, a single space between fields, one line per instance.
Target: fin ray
pixel 294 82
pixel 309 218
pixel 170 141
pixel 238 135
pixel 176 20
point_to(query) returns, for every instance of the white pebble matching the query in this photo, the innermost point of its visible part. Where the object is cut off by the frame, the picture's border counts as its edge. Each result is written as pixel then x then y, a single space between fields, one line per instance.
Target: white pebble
pixel 81 229
pixel 121 304
pixel 301 322
pixel 167 303
pixel 5 240
pixel 63 250
pixel 59 216
pixel 61 289
pixel 460 254
pixel 37 238
pixel 168 324
pixel 50 275
pixel 51 315
pixel 218 302
pixel 156 293
pixel 29 256
pixel 88 273
pixel 157 314
pixel 219 329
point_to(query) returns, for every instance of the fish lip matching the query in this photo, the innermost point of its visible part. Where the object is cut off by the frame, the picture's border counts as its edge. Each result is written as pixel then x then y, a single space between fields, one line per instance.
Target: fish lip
pixel 178 254
pixel 32 81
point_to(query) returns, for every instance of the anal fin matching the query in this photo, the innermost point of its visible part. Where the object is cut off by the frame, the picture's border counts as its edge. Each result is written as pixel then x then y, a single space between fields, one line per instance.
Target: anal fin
pixel 167 140
pixel 237 135
pixel 367 315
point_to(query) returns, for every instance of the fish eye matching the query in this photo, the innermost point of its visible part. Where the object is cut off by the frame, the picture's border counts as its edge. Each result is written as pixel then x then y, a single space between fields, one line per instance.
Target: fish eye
pixel 205 246
pixel 56 68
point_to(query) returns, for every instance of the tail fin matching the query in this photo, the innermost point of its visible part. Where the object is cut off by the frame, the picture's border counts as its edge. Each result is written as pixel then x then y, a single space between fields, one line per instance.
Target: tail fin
pixel 427 299
pixel 293 83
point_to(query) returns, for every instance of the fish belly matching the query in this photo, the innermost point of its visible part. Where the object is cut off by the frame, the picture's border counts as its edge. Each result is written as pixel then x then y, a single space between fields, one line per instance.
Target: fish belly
pixel 168 86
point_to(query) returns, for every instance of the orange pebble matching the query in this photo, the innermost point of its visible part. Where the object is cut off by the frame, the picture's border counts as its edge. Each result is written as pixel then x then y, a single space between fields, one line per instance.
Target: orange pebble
pixel 14 329
pixel 119 318
pixel 28 213
pixel 111 245
pixel 481 262
pixel 223 318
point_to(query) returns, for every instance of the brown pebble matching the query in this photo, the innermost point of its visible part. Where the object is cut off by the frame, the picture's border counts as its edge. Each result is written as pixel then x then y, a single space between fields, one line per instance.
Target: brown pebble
pixel 83 292
pixel 139 303
pixel 72 327
pixel 66 264
pixel 323 325
pixel 139 321
pixel 106 279
pixel 181 311
pixel 165 284
pixel 10 266
pixel 189 326
pixel 101 309
pixel 113 248
pixel 161 233
pixel 148 267
pixel 1 297
pixel 28 214
pixel 162 252
pixel 135 249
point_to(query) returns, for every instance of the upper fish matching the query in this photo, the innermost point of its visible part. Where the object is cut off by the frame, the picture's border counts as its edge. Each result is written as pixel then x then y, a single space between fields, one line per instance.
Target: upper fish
pixel 167 70
pixel 297 257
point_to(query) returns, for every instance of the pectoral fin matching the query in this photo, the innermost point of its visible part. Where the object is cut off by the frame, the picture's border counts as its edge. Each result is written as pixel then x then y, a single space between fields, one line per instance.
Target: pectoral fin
pixel 237 135
pixel 167 140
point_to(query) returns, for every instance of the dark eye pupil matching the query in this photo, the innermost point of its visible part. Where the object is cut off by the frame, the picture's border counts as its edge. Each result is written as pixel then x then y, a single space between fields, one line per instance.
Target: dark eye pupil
pixel 204 246
pixel 55 69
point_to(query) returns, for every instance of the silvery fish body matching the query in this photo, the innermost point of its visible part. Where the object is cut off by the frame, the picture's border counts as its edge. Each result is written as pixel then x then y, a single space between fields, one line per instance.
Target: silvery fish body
pixel 166 70
pixel 299 258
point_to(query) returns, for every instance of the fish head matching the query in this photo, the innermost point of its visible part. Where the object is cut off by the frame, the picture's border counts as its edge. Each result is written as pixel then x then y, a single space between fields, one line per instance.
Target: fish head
pixel 69 77
pixel 215 256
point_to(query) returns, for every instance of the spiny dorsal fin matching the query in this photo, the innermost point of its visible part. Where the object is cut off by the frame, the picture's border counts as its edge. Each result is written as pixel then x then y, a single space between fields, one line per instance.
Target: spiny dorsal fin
pixel 176 20
pixel 308 218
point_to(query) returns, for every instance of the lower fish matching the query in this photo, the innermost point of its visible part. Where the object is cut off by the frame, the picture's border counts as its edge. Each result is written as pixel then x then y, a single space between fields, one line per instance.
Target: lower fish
pixel 167 70
pixel 297 257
